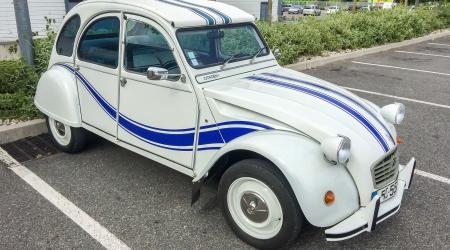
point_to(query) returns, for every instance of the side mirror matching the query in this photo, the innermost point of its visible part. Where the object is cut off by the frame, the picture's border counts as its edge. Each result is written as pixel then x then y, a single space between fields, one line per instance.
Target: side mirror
pixel 157 73
pixel 277 53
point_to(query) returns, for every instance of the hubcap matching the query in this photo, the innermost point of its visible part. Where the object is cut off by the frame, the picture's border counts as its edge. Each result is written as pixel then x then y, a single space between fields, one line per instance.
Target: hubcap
pixel 60 132
pixel 254 207
pixel 60 129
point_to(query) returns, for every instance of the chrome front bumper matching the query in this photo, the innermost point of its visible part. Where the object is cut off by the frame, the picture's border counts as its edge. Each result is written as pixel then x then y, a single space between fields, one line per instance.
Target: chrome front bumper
pixel 366 218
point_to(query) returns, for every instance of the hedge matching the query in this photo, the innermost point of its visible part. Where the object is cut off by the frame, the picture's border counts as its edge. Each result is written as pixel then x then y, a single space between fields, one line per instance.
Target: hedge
pixel 344 30
pixel 309 37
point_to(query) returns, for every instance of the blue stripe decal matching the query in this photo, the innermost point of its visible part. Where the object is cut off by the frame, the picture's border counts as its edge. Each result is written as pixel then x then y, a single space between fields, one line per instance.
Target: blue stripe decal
pixel 330 100
pixel 226 19
pixel 337 93
pixel 210 20
pixel 173 139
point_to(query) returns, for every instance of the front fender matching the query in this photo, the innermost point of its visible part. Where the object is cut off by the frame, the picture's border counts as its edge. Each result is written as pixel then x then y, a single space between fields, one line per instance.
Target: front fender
pixel 310 176
pixel 57 97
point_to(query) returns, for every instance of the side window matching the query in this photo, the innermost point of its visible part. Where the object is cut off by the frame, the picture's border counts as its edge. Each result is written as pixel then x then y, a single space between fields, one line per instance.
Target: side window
pixel 100 42
pixel 146 47
pixel 66 39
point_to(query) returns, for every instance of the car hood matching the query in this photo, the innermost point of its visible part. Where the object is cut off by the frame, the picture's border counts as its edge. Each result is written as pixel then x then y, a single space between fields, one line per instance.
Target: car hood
pixel 313 107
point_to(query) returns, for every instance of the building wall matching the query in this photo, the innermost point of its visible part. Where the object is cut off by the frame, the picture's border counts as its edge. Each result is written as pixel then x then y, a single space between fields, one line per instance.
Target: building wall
pixel 38 9
pixel 254 7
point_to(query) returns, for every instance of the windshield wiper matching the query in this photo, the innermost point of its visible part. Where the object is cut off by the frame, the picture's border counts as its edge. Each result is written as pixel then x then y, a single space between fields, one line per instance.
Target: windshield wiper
pixel 229 60
pixel 257 54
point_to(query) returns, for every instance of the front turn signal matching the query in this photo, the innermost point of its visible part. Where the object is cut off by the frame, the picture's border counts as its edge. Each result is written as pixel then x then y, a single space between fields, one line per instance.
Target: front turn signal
pixel 329 198
pixel 399 140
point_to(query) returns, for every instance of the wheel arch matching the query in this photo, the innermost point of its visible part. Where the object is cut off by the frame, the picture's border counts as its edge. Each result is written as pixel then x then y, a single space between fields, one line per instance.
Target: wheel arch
pixel 300 161
pixel 57 95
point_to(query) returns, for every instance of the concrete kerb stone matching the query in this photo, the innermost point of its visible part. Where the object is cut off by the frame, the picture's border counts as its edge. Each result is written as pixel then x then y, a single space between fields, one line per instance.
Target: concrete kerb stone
pixel 14 132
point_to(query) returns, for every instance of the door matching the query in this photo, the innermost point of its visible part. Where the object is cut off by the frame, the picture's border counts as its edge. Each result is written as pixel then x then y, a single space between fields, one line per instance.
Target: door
pixel 264 11
pixel 98 69
pixel 158 116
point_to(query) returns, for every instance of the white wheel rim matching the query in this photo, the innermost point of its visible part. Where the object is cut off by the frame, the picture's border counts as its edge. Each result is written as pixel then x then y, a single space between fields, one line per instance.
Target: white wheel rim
pixel 252 219
pixel 61 132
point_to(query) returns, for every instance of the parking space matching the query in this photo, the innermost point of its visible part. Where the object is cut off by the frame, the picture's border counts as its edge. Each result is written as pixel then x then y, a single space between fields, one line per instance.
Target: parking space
pixel 29 221
pixel 147 205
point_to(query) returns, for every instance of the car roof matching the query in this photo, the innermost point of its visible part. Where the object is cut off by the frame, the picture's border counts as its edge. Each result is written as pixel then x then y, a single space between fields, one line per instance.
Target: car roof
pixel 186 13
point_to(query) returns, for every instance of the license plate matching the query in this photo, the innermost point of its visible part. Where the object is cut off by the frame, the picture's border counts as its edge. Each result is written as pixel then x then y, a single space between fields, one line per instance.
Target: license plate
pixel 388 192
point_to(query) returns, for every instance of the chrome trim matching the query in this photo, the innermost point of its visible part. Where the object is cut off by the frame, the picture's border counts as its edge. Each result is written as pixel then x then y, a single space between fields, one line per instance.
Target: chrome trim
pixel 386 169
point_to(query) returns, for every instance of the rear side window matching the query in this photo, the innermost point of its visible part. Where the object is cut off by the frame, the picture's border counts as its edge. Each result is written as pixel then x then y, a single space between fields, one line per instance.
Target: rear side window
pixel 100 42
pixel 64 45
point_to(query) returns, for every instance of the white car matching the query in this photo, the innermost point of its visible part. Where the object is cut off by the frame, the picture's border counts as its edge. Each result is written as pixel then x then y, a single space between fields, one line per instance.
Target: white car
pixel 295 9
pixel 312 10
pixel 333 9
pixel 193 85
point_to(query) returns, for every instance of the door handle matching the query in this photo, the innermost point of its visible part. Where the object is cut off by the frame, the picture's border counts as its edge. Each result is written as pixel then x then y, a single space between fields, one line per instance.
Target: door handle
pixel 123 82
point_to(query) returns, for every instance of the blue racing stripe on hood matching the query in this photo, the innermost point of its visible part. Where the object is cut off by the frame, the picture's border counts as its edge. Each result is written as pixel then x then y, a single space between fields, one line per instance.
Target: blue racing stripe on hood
pixel 355 114
pixel 337 93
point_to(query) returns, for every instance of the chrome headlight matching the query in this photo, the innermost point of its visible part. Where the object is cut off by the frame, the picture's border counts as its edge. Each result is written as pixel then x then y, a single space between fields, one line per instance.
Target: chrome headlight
pixel 336 149
pixel 393 113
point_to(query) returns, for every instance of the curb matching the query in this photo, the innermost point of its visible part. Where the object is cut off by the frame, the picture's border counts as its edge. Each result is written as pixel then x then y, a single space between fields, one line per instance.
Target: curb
pixel 22 130
pixel 362 52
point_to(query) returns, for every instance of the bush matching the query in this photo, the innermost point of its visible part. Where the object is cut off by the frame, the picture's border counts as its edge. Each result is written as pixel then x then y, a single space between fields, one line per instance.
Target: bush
pixel 18 80
pixel 16 76
pixel 17 88
pixel 345 30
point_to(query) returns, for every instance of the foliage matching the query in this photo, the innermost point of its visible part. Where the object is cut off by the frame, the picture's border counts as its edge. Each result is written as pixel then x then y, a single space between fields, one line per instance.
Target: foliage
pixel 18 80
pixel 444 14
pixel 43 47
pixel 345 30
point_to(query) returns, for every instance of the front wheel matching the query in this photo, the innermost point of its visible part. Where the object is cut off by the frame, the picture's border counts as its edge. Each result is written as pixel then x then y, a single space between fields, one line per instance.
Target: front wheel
pixel 66 138
pixel 259 204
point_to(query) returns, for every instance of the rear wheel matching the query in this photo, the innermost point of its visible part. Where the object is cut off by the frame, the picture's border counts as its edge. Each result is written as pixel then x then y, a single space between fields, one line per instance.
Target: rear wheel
pixel 259 205
pixel 66 138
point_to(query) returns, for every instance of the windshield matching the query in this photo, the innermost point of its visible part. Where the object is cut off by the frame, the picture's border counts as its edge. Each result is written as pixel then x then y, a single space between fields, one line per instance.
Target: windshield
pixel 206 47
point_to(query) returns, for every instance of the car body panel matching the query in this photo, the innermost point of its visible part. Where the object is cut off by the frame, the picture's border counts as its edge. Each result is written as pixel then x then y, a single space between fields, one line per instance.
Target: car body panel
pixel 56 96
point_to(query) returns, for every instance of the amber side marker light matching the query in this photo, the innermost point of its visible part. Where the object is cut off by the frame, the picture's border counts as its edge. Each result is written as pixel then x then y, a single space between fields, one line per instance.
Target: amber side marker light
pixel 329 198
pixel 399 140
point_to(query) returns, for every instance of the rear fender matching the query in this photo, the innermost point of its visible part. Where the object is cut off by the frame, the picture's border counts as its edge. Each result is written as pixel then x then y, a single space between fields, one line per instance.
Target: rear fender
pixel 57 97
pixel 310 176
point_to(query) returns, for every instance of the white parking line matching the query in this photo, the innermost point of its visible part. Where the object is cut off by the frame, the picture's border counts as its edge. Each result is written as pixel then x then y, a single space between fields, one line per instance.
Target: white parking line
pixel 422 54
pixel 82 219
pixel 395 67
pixel 440 44
pixel 432 176
pixel 398 97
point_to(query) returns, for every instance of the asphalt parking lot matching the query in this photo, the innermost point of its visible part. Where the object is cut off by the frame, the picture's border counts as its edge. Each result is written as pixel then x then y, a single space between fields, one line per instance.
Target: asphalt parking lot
pixel 147 206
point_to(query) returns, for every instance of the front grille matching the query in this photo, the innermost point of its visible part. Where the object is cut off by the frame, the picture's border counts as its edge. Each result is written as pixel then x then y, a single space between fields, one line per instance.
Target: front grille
pixel 385 170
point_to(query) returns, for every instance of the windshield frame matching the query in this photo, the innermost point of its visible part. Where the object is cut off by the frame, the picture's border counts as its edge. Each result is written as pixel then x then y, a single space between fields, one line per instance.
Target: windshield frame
pixel 266 46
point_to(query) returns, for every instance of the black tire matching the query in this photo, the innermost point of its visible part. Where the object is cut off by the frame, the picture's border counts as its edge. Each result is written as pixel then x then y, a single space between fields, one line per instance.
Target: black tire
pixel 77 141
pixel 267 173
